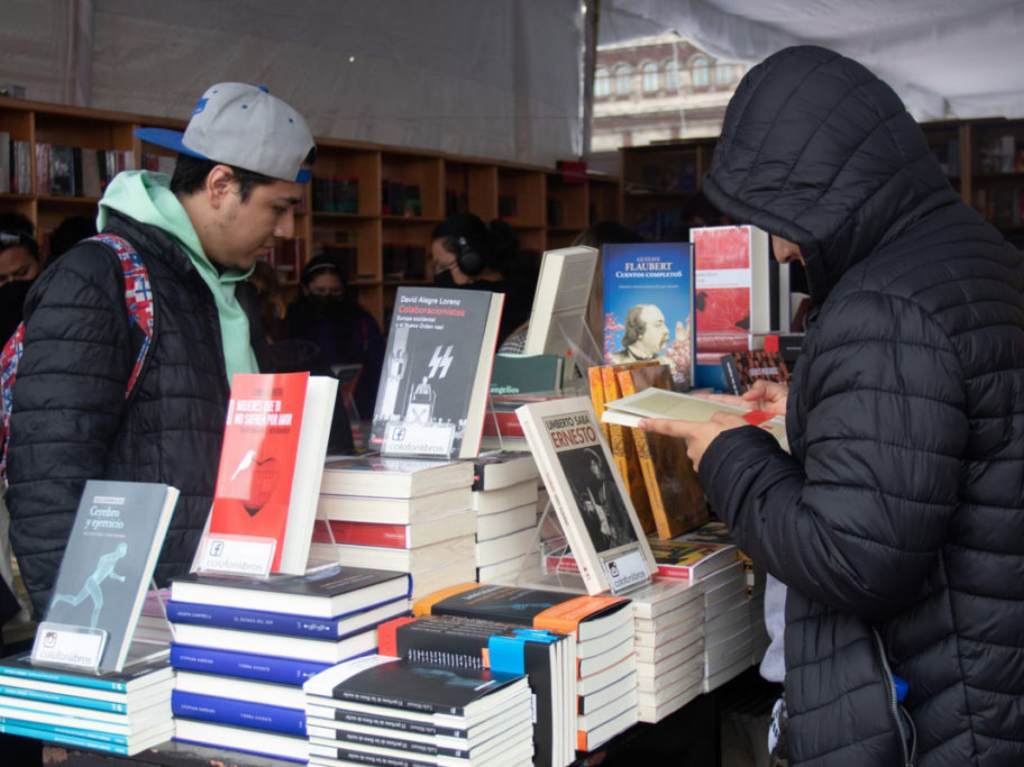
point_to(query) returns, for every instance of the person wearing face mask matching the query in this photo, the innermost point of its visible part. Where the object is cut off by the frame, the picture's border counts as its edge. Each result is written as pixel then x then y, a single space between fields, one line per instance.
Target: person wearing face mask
pixel 472 255
pixel 344 332
pixel 20 264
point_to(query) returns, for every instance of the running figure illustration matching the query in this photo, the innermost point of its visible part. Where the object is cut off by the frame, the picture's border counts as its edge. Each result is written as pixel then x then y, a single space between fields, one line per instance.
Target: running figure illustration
pixel 91 587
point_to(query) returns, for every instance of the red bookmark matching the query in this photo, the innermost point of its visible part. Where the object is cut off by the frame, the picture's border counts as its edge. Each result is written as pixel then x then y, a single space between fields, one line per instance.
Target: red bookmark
pixel 757 417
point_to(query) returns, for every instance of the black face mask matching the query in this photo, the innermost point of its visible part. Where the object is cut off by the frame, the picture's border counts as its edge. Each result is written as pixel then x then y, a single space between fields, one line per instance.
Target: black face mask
pixel 444 279
pixel 326 306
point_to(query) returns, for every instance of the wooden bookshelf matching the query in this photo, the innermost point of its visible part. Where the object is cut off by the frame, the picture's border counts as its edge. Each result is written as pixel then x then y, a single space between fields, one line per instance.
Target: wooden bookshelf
pixel 375 206
pixel 658 180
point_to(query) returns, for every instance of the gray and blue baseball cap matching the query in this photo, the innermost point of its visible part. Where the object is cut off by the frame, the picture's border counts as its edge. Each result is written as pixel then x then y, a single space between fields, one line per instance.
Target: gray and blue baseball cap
pixel 244 126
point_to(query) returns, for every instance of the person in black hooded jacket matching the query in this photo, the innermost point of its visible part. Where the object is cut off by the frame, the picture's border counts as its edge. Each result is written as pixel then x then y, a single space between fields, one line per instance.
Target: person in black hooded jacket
pixel 897 523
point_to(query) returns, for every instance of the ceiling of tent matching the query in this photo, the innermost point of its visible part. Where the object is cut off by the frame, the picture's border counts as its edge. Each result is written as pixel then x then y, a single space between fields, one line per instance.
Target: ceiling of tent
pixel 946 58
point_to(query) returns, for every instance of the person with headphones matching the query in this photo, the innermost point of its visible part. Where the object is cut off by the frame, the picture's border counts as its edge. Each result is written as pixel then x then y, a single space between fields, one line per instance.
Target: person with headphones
pixel 470 254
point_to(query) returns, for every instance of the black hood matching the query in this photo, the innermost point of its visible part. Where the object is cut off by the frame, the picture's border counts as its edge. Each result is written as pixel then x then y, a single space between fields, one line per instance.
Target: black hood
pixel 818 150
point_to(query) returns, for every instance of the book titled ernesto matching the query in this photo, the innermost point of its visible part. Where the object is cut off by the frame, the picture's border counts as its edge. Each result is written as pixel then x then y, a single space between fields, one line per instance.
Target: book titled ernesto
pixel 437 370
pixel 108 564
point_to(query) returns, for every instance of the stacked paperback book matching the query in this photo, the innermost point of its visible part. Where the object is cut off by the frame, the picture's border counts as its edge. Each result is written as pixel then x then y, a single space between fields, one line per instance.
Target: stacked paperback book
pixel 727 636
pixel 240 670
pixel 409 515
pixel 505 501
pixel 602 627
pixel 388 711
pixel 669 623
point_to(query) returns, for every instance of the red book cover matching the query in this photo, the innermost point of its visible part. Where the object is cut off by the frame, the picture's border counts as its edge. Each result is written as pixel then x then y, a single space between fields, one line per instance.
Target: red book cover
pixel 363 534
pixel 257 460
pixel 722 294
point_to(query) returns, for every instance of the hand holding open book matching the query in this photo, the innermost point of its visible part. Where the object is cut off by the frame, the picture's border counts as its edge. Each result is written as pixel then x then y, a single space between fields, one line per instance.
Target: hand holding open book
pixel 695 419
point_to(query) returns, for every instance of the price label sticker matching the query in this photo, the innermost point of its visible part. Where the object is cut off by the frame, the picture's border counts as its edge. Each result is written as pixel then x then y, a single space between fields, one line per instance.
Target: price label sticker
pixel 626 571
pixel 76 646
pixel 238 555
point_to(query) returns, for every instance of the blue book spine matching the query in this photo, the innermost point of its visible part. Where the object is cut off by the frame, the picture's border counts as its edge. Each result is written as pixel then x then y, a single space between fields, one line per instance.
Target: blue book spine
pixel 263 668
pixel 252 620
pixel 238 713
pixel 56 677
pixel 52 735
pixel 24 693
pixel 71 732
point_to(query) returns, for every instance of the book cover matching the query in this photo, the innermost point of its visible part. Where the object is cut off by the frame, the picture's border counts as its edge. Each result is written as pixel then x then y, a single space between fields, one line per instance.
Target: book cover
pixel 587 492
pixel 691 559
pixel 108 564
pixel 20 667
pixel 537 608
pixel 384 477
pixel 648 306
pixel 676 497
pixel 262 668
pixel 437 369
pixel 519 374
pixel 625 449
pixel 470 643
pixel 238 713
pixel 743 368
pixel 398 684
pixel 257 460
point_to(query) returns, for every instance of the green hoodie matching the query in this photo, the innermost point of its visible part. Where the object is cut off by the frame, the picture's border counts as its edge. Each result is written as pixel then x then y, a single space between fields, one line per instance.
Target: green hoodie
pixel 147 198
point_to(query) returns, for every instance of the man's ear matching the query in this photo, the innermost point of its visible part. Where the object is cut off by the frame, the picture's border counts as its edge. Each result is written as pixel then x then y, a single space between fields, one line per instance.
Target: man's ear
pixel 220 182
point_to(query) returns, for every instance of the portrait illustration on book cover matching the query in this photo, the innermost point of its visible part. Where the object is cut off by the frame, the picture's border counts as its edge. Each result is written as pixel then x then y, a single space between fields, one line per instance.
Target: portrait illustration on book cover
pixel 597 498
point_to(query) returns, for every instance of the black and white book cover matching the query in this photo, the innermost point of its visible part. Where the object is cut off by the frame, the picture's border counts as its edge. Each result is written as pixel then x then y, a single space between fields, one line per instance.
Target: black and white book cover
pixel 109 561
pixel 586 490
pixel 437 370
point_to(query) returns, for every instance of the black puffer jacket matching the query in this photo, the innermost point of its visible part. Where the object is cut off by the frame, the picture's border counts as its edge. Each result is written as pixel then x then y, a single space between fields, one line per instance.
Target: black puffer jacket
pixel 70 422
pixel 898 522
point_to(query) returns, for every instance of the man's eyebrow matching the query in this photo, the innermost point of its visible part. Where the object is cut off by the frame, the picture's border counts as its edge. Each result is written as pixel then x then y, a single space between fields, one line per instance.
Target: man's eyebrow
pixel 289 200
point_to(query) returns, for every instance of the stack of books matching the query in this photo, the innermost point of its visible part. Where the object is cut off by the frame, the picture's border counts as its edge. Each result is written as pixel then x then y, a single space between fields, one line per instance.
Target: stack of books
pixel 117 712
pixel 388 711
pixel 505 501
pixel 545 657
pixel 240 670
pixel 727 636
pixel 669 622
pixel 606 701
pixel 409 515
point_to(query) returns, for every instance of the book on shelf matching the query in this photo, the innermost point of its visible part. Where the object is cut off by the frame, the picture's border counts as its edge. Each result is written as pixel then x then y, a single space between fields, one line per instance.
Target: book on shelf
pixel 437 369
pixel 376 476
pixel 500 469
pixel 455 524
pixel 271 462
pixel 741 369
pixel 588 495
pixel 659 403
pixel 246 665
pixel 544 657
pixel 676 497
pixel 513 496
pixel 558 323
pixel 317 650
pixel 108 564
pixel 649 306
pixel 274 745
pixel 502 523
pixel 692 560
pixel 261 716
pixel 418 560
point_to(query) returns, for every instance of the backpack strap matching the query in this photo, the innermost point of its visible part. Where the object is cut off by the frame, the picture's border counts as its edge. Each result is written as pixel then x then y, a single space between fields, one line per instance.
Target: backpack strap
pixel 138 298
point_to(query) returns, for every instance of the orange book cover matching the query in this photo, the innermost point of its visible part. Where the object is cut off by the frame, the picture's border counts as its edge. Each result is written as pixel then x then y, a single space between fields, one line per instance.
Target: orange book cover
pixel 565 618
pixel 677 499
pixel 257 459
pixel 624 450
pixel 597 397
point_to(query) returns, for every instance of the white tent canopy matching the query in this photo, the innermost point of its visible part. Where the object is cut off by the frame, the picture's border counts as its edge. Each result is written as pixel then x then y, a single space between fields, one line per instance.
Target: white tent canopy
pixel 946 58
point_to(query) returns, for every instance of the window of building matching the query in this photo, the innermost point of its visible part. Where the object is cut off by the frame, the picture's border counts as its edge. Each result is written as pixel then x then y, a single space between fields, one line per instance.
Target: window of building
pixel 602 83
pixel 623 79
pixel 701 72
pixel 650 77
pixel 671 75
pixel 723 74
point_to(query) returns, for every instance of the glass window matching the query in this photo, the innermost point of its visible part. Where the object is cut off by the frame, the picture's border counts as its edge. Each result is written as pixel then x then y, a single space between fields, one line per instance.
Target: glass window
pixel 723 74
pixel 671 75
pixel 701 73
pixel 623 79
pixel 602 83
pixel 650 79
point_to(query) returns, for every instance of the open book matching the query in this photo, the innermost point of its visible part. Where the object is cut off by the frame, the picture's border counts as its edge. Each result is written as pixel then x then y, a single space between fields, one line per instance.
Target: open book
pixel 659 403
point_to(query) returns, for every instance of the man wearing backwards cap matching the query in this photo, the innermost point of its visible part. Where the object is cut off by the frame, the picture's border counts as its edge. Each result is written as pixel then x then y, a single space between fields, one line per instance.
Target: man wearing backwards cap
pixel 242 161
